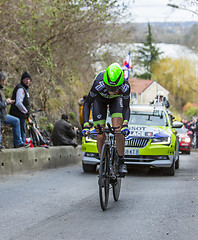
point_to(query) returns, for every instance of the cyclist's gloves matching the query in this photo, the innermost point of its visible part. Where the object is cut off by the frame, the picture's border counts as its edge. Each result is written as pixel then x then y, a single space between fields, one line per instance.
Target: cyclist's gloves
pixel 85 130
pixel 125 130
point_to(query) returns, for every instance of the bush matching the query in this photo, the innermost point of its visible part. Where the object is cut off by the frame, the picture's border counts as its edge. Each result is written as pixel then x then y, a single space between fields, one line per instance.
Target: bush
pixel 190 110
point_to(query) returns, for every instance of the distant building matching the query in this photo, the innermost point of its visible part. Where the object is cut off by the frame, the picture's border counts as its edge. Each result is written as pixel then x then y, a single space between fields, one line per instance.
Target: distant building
pixel 144 91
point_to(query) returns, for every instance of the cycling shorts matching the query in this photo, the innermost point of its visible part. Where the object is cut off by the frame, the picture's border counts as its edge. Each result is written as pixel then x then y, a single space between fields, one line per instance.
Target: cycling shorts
pixel 100 105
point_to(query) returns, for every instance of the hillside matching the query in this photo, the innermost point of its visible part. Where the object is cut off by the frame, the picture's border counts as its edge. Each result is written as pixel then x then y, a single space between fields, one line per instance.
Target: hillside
pixel 58 42
pixel 183 33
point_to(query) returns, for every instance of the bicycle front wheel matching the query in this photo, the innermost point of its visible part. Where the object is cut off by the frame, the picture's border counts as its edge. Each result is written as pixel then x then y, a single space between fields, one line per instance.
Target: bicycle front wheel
pixel 104 177
pixel 116 189
pixel 117 183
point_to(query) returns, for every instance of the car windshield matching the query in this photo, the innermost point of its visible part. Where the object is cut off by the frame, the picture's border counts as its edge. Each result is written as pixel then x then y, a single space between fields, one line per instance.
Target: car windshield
pixel 148 119
pixel 157 118
pixel 181 130
pixel 108 120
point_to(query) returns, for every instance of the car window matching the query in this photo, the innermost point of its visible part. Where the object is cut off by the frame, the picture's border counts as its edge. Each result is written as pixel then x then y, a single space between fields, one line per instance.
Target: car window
pixel 181 130
pixel 108 118
pixel 158 118
pixel 153 120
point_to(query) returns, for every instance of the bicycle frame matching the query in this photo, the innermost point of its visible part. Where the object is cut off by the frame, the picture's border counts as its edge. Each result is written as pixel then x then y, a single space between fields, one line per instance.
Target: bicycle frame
pixel 34 130
pixel 110 141
pixel 108 173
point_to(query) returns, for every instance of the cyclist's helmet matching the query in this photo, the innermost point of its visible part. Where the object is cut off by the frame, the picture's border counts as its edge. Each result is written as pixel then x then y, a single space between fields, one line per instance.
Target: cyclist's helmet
pixel 113 77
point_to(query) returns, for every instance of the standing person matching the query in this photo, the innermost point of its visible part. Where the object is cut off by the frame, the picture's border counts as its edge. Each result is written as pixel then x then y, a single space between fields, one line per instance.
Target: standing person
pixel 80 103
pixel 63 133
pixel 196 131
pixel 8 119
pixel 21 108
pixel 190 130
pixel 109 88
pixel 160 98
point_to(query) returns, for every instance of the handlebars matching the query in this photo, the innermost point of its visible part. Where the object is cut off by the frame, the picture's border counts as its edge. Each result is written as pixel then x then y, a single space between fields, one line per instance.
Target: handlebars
pixel 38 110
pixel 108 129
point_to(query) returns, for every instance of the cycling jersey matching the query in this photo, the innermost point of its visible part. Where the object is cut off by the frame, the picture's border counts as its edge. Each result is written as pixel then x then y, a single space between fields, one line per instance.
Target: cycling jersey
pixel 100 97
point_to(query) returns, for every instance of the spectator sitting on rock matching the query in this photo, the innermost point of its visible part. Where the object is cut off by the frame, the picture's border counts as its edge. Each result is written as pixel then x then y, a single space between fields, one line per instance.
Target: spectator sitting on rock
pixel 63 133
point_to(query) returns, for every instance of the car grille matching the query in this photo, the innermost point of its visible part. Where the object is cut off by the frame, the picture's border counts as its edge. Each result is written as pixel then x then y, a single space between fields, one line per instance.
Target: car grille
pixel 137 142
pixel 144 158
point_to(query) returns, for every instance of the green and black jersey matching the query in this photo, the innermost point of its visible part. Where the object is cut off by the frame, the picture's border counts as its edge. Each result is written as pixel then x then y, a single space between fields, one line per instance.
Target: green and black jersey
pixel 100 97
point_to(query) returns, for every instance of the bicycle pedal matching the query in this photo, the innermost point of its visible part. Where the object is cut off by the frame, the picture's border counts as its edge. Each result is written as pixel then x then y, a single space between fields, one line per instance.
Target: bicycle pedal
pixel 112 180
pixel 121 175
pixel 102 183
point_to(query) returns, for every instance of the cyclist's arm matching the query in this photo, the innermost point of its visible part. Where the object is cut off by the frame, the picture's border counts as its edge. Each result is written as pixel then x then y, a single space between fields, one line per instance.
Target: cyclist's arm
pixel 88 102
pixel 87 106
pixel 126 105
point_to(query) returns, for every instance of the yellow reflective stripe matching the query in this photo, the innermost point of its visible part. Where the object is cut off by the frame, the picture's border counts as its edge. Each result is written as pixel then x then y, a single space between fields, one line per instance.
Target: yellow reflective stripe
pixel 99 122
pixel 116 115
pixel 86 124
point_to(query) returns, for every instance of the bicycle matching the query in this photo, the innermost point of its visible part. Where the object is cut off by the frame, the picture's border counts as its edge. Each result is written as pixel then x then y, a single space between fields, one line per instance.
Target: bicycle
pixel 38 136
pixel 109 163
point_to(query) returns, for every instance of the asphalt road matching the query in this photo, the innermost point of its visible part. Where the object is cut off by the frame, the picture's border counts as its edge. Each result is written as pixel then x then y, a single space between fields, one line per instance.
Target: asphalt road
pixel 63 203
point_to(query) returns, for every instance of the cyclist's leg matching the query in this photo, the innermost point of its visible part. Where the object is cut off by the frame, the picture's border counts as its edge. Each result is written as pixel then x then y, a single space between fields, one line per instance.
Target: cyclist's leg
pixel 100 141
pixel 116 107
pixel 99 117
pixel 120 141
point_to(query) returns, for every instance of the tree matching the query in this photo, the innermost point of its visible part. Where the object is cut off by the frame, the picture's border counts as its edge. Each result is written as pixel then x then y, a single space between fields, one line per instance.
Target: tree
pixel 54 41
pixel 190 39
pixel 178 76
pixel 147 54
pixel 185 3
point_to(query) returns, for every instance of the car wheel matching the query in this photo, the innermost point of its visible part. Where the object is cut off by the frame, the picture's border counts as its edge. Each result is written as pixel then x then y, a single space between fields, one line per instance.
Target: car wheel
pixel 170 171
pixel 187 152
pixel 90 168
pixel 177 164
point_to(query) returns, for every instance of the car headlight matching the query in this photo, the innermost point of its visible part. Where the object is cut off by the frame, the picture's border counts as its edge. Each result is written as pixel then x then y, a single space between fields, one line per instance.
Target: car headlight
pixel 91 138
pixel 162 140
pixel 90 154
pixel 186 140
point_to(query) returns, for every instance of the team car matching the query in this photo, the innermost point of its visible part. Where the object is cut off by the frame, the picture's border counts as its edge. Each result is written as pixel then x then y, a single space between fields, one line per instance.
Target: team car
pixel 184 140
pixel 153 141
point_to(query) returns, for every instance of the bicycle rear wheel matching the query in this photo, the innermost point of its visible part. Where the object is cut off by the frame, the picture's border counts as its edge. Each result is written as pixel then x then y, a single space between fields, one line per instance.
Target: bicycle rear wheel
pixel 46 137
pixel 104 177
pixel 34 136
pixel 117 184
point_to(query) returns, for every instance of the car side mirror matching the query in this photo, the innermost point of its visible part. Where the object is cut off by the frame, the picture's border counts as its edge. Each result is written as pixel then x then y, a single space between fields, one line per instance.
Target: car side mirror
pixel 177 124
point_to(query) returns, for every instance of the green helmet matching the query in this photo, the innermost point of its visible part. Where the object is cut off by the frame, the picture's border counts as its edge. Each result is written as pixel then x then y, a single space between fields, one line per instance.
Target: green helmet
pixel 113 77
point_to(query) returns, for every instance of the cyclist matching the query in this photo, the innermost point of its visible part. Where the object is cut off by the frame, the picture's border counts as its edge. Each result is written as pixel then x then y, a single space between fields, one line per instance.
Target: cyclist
pixel 109 89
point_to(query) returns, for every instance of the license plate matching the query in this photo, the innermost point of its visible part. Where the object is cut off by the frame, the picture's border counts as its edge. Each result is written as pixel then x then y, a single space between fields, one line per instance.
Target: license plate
pixel 131 152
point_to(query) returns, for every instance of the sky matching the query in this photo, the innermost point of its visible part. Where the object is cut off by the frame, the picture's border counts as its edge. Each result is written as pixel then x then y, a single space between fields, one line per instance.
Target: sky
pixel 157 11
